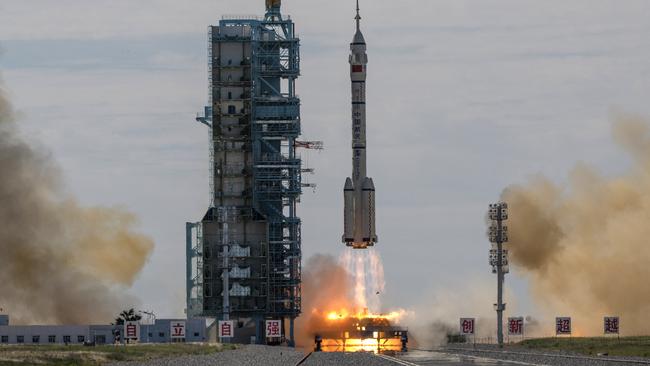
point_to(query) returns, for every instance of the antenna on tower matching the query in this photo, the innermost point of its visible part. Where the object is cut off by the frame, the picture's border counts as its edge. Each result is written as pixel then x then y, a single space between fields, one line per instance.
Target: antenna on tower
pixel 273 9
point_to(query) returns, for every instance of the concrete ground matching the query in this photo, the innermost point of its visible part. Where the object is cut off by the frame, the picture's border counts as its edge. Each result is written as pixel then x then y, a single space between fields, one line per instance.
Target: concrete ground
pixel 279 356
pixel 251 355
pixel 428 358
pixel 412 358
pixel 247 355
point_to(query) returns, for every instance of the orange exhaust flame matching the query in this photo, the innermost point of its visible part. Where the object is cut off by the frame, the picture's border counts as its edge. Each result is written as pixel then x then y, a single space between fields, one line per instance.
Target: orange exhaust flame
pixel 360 331
pixel 393 316
pixel 361 345
pixel 343 298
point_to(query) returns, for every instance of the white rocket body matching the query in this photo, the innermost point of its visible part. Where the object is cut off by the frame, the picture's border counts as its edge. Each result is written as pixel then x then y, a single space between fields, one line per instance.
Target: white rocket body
pixel 359 191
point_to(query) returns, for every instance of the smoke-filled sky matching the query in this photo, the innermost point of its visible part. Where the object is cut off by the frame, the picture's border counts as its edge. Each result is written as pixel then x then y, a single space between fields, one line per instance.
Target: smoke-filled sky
pixel 465 99
pixel 587 240
pixel 61 263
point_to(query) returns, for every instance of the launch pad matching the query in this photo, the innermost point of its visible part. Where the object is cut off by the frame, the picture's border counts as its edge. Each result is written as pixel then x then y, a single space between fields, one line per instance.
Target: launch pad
pixel 361 333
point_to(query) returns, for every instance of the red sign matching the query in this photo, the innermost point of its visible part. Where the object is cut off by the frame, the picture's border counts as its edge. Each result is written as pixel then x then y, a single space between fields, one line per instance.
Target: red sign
pixel 611 325
pixel 226 329
pixel 357 68
pixel 563 326
pixel 516 326
pixel 132 331
pixel 177 330
pixel 273 329
pixel 467 326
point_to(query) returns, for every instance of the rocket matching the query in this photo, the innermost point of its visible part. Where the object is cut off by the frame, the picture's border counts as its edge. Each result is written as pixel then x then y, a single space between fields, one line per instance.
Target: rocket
pixel 359 190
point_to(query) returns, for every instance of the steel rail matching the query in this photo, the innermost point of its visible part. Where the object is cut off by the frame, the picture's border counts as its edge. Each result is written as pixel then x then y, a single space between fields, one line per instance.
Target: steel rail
pixel 304 359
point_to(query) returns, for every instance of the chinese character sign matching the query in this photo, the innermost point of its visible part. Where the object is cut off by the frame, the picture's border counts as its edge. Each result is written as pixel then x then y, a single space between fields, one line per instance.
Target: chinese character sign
pixel 177 330
pixel 562 326
pixel 132 331
pixel 611 325
pixel 273 329
pixel 226 329
pixel 467 326
pixel 516 326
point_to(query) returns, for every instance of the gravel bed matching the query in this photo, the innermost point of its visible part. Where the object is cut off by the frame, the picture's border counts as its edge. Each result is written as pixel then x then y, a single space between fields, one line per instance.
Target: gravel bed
pixel 550 358
pixel 248 355
pixel 345 359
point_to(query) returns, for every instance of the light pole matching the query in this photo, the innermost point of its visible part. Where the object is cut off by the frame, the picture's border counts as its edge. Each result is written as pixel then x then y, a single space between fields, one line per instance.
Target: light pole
pixel 151 320
pixel 498 234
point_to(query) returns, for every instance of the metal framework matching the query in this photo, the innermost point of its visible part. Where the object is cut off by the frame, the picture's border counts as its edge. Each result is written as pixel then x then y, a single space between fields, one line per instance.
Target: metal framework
pixel 194 269
pixel 255 173
pixel 498 234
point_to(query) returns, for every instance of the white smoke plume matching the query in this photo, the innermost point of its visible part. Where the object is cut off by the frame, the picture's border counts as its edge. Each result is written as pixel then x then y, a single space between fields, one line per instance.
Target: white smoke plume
pixel 366 271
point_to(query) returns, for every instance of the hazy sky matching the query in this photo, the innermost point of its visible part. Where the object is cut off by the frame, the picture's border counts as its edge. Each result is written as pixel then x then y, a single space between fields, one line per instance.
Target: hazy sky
pixel 464 98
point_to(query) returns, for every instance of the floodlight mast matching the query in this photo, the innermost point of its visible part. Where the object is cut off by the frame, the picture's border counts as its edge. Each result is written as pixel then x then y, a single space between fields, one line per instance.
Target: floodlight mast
pixel 499 258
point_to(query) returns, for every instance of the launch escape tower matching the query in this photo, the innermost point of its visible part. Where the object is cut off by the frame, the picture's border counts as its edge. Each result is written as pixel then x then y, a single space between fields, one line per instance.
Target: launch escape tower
pixel 244 257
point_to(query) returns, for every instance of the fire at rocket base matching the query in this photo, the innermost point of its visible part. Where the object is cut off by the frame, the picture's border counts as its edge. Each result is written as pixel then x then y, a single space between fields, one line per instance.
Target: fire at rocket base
pixel 359 191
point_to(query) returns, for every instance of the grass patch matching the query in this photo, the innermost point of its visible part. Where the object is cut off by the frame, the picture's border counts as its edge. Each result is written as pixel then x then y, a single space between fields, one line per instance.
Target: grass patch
pixel 625 346
pixel 98 356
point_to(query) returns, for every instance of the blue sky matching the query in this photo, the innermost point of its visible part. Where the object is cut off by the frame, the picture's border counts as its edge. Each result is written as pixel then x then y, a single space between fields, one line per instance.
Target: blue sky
pixel 465 98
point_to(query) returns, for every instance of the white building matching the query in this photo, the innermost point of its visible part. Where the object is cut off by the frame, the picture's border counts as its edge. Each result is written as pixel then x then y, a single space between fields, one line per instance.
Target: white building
pixel 159 332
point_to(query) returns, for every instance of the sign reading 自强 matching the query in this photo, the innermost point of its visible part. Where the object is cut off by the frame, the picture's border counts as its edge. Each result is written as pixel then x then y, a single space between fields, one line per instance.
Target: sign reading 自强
pixel 516 326
pixel 563 326
pixel 612 325
pixel 273 329
pixel 467 326
pixel 177 329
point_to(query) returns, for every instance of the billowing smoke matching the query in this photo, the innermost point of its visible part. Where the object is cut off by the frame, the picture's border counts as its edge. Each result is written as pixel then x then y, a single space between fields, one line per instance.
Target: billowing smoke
pixel 437 315
pixel 585 246
pixel 349 285
pixel 325 286
pixel 60 262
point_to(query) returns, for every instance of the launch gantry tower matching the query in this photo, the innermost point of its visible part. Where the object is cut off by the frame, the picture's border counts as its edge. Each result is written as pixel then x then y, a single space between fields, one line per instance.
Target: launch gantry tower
pixel 255 180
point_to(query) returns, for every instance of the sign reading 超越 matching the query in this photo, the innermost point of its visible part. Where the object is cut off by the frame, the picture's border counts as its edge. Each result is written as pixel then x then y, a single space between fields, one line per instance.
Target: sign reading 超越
pixel 516 326
pixel 612 325
pixel 467 326
pixel 226 328
pixel 177 329
pixel 273 329
pixel 563 326
pixel 132 331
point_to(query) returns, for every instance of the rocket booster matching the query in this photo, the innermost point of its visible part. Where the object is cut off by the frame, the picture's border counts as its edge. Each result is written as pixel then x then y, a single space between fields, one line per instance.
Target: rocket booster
pixel 359 190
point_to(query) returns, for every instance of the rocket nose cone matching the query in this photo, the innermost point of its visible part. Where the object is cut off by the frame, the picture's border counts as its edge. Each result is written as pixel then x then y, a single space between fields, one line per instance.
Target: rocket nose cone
pixel 358 38
pixel 368 185
pixel 348 185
